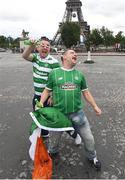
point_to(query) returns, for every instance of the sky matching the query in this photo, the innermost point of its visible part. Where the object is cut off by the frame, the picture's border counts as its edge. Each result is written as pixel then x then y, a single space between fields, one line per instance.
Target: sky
pixel 42 17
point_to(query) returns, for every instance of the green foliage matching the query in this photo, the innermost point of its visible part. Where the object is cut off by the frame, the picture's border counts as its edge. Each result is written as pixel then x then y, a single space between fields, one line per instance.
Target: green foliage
pixel 119 38
pixel 107 35
pixel 70 34
pixel 16 42
pixel 3 41
pixel 9 42
pixel 95 38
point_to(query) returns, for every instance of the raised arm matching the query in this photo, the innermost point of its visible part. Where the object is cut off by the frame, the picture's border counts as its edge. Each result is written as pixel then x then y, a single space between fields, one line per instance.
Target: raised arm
pixel 89 98
pixel 27 54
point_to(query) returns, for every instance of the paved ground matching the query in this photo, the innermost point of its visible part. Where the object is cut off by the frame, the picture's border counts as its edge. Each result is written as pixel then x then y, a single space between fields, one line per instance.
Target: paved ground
pixel 106 79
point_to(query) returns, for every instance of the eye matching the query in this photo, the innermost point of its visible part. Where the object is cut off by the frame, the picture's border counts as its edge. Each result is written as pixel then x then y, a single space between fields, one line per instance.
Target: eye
pixel 48 45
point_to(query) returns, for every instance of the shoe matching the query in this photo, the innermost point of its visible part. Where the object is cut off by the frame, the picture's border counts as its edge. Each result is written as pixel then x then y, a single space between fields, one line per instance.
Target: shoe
pixel 96 163
pixel 78 140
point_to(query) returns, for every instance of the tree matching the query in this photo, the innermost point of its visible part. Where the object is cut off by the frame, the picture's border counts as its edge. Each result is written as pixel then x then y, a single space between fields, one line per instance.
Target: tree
pixel 107 35
pixel 70 34
pixel 3 41
pixel 16 42
pixel 96 38
pixel 120 38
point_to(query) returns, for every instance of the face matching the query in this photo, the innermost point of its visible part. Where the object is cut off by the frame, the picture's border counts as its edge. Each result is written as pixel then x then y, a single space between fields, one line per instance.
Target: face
pixel 71 58
pixel 44 48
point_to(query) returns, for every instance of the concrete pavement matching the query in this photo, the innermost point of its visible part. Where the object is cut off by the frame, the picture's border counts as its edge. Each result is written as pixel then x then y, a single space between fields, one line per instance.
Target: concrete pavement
pixel 106 80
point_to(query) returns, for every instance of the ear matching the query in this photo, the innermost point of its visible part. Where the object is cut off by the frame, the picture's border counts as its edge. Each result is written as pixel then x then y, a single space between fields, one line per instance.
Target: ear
pixel 64 58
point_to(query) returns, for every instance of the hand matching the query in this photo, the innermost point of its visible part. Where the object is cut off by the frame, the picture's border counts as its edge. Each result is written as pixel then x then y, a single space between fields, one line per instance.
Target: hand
pixel 31 42
pixel 35 42
pixel 50 102
pixel 97 110
pixel 38 105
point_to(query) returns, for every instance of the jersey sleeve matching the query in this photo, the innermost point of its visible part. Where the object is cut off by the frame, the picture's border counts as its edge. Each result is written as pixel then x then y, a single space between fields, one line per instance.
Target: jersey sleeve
pixel 50 81
pixel 55 65
pixel 84 85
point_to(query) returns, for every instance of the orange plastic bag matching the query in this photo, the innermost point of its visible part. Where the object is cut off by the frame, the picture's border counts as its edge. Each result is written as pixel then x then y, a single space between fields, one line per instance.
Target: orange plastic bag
pixel 42 162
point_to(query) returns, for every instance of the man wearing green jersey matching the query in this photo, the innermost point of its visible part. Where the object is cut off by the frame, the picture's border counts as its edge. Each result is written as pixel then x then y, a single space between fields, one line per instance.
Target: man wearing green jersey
pixel 43 63
pixel 67 84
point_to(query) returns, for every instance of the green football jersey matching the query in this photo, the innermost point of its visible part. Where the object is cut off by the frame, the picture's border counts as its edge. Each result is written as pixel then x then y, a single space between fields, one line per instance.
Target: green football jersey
pixel 66 86
pixel 41 70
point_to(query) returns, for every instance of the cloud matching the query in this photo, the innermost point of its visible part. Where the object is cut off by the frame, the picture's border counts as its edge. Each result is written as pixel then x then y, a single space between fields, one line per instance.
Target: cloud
pixel 14 17
pixel 107 8
pixel 108 13
pixel 42 17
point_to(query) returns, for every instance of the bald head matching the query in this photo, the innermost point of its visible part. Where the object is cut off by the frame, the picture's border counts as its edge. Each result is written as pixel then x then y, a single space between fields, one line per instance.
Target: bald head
pixel 66 53
pixel 69 58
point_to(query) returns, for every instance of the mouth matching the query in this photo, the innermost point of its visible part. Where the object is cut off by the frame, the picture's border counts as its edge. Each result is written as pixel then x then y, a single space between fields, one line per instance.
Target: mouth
pixel 43 53
pixel 74 59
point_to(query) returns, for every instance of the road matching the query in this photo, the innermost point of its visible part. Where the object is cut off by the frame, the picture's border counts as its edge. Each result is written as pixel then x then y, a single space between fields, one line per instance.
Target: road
pixel 106 81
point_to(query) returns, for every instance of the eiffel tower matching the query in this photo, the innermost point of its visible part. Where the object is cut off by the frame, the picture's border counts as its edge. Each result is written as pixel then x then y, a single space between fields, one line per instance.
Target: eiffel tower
pixel 73 10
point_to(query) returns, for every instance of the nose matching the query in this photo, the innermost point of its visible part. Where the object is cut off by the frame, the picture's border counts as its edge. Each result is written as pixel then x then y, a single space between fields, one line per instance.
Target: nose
pixel 45 47
pixel 75 55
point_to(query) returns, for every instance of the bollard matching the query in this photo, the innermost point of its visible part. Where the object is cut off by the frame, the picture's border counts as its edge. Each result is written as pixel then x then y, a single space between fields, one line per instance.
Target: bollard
pixel 89 60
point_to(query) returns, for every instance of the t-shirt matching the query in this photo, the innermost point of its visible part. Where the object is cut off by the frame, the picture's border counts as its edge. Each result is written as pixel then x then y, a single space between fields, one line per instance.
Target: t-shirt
pixel 66 86
pixel 41 70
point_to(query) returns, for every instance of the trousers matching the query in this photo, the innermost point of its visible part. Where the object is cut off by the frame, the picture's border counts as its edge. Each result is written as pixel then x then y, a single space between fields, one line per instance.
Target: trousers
pixel 82 127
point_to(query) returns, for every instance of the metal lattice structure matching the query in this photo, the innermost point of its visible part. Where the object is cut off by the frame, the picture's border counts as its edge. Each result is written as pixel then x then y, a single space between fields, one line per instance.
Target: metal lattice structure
pixel 73 10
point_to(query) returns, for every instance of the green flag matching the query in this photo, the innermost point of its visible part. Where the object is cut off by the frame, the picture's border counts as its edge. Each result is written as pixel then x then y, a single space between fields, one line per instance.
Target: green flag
pixel 48 118
pixel 51 119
